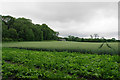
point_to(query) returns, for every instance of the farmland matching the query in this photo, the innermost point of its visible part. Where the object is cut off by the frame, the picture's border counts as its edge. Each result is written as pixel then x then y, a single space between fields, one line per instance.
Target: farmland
pixel 55 59
pixel 83 47
pixel 60 40
pixel 20 63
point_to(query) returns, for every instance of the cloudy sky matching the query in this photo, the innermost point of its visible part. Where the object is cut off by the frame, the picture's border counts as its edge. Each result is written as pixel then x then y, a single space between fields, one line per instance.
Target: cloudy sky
pixel 80 19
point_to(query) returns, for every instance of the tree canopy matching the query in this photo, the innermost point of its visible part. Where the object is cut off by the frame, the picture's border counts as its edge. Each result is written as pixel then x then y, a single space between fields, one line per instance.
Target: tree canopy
pixel 22 29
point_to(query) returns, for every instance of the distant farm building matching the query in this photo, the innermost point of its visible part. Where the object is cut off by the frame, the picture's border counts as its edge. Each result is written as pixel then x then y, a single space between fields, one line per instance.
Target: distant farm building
pixel 61 39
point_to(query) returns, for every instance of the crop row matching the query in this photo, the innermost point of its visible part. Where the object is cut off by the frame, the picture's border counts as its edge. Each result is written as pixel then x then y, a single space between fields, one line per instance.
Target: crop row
pixel 72 65
pixel 17 71
pixel 83 47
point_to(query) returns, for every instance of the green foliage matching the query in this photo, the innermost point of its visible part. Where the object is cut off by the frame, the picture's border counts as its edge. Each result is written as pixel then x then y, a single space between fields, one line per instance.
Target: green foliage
pixel 8 20
pixel 5 33
pixel 7 39
pixel 23 29
pixel 12 33
pixel 48 34
pixel 29 35
pixel 40 64
pixel 37 30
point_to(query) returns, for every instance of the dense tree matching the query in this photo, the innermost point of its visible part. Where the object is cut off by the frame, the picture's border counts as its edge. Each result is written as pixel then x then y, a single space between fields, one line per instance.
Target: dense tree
pixel 29 35
pixel 13 33
pixel 21 35
pixel 48 34
pixel 38 33
pixel 23 29
pixel 5 33
pixel 8 20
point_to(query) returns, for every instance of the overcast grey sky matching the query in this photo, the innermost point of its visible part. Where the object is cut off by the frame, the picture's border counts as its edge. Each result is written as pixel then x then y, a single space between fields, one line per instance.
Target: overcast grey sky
pixel 69 18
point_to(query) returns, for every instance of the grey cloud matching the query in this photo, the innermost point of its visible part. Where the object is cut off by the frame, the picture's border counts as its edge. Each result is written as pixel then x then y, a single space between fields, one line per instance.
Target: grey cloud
pixel 84 34
pixel 59 11
pixel 64 12
pixel 68 18
pixel 65 34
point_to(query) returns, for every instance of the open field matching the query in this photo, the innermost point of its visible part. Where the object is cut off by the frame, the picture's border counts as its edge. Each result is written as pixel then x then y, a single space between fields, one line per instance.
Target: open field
pixel 60 59
pixel 20 63
pixel 83 47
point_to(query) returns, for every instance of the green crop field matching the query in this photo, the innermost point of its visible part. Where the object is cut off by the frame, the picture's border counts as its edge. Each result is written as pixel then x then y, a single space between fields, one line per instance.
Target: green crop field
pixel 83 47
pixel 60 59
pixel 20 63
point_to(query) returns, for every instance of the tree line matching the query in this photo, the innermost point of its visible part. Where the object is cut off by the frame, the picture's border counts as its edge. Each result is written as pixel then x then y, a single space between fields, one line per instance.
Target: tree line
pixel 22 29
pixel 96 39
